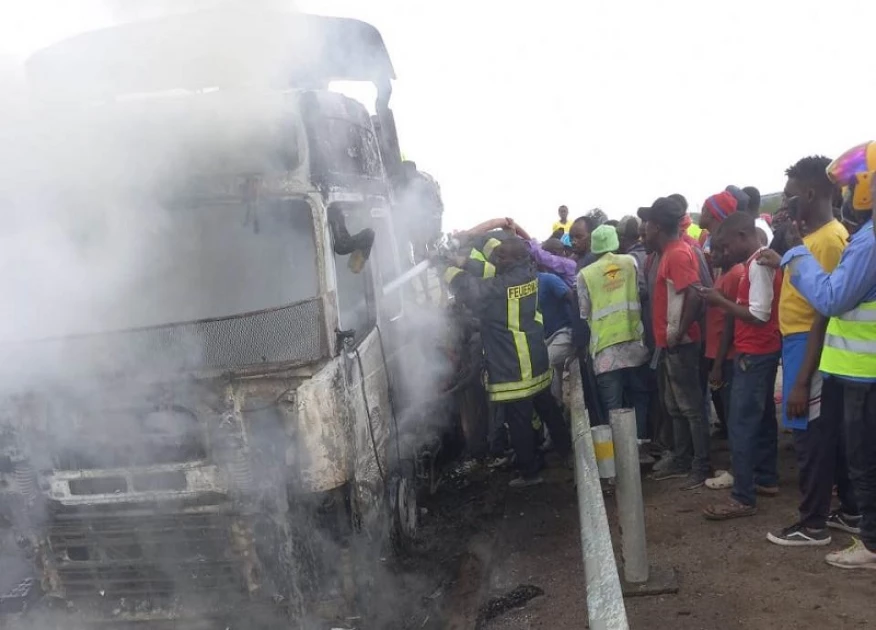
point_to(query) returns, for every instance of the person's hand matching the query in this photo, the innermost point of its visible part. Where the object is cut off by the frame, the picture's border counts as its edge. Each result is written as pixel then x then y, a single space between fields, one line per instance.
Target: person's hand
pixel 710 295
pixel 797 404
pixel 769 258
pixel 716 376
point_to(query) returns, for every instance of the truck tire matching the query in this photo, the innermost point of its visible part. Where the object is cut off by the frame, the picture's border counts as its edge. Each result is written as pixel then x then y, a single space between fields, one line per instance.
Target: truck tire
pixel 403 508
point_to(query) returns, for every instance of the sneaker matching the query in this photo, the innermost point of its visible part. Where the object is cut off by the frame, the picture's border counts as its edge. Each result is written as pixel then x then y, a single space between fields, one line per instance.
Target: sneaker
pixel 666 460
pixel 767 491
pixel 855 557
pixel 670 473
pixel 525 482
pixel 799 536
pixel 844 522
pixel 722 480
pixel 693 481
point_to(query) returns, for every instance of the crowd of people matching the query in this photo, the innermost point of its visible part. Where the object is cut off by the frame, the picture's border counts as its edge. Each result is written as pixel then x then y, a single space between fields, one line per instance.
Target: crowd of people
pixel 673 320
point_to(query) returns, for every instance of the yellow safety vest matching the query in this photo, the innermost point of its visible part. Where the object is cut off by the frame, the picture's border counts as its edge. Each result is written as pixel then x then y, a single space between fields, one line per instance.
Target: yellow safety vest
pixel 850 343
pixel 616 313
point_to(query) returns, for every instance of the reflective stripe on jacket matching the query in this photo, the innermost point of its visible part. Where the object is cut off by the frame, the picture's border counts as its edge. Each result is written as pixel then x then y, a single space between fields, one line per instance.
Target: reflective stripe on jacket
pixel 616 313
pixel 478 265
pixel 511 329
pixel 850 343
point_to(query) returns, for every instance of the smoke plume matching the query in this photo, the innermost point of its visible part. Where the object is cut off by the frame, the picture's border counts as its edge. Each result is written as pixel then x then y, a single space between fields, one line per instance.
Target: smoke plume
pixel 121 291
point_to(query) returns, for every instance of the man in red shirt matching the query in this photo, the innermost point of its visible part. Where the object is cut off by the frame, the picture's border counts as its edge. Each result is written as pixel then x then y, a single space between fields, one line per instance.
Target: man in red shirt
pixel 676 308
pixel 753 433
pixel 720 350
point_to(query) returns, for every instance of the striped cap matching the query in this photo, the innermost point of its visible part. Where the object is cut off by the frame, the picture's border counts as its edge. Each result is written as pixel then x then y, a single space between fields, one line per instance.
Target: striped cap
pixel 721 205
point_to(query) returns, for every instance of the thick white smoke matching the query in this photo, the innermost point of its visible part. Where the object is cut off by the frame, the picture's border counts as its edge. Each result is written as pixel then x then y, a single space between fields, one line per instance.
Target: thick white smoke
pixel 96 239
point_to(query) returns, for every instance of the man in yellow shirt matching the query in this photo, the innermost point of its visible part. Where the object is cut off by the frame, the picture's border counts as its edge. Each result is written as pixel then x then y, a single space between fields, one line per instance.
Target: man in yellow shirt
pixel 563 224
pixel 812 406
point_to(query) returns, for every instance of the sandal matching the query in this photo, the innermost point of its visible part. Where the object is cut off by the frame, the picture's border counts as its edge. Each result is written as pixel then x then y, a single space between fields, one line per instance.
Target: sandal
pixel 727 511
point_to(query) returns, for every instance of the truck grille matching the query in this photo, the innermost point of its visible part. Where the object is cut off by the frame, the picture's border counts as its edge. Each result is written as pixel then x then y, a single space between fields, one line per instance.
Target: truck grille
pixel 293 334
pixel 100 555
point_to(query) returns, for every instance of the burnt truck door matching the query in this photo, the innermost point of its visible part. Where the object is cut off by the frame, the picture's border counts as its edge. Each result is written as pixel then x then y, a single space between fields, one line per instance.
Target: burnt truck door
pixel 359 234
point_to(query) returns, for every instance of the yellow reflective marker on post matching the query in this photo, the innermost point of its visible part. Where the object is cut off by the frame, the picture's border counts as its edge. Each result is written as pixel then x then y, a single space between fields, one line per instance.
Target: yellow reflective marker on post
pixel 603 447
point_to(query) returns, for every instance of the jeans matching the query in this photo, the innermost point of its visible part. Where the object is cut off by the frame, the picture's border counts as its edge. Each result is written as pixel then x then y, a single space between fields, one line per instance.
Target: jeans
pixel 860 426
pixel 518 416
pixel 821 461
pixel 683 396
pixel 753 430
pixel 627 388
pixel 560 349
pixel 592 401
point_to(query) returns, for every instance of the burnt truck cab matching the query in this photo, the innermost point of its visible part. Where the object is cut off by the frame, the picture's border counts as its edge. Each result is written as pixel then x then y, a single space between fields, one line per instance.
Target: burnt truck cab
pixel 224 426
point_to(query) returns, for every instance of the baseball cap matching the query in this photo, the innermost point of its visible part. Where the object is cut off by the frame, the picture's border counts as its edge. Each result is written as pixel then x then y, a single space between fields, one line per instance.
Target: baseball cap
pixel 604 239
pixel 664 211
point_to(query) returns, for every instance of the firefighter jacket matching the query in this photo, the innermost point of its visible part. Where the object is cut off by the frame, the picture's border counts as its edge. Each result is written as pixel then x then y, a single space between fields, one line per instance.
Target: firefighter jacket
pixel 616 314
pixel 478 263
pixel 511 329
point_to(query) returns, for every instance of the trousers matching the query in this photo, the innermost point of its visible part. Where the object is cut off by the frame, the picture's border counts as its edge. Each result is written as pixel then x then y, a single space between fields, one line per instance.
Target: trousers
pixel 821 460
pixel 860 427
pixel 518 417
pixel 753 429
pixel 628 388
pixel 682 393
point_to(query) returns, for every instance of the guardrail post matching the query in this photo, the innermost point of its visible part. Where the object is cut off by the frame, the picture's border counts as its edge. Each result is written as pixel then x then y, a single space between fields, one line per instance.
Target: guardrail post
pixel 630 507
pixel 639 577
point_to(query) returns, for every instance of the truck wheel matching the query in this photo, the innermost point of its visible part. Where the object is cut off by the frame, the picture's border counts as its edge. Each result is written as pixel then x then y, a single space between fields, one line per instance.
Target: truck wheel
pixel 403 509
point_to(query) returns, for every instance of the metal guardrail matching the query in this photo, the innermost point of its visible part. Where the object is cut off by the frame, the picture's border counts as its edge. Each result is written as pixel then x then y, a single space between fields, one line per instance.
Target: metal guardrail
pixel 605 603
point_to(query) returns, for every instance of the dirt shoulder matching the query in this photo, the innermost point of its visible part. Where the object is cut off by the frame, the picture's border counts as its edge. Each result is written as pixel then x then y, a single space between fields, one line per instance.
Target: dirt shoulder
pixel 730 576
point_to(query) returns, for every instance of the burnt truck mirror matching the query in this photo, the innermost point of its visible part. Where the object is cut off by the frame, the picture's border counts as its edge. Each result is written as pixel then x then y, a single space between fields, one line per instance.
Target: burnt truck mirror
pixel 357 246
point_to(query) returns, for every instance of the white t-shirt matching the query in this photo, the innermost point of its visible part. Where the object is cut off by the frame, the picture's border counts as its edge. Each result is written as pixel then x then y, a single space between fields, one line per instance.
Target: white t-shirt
pixel 760 294
pixel 763 225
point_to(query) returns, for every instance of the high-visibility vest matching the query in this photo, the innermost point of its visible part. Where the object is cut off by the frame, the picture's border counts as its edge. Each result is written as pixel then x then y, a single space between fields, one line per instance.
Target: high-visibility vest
pixel 616 313
pixel 850 343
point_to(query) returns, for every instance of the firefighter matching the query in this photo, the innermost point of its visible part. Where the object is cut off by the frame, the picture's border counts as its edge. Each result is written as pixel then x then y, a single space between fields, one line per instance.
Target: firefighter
pixel 518 369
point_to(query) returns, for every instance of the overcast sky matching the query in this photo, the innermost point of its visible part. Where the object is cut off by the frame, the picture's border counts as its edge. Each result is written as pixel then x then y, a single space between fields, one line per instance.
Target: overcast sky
pixel 518 107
